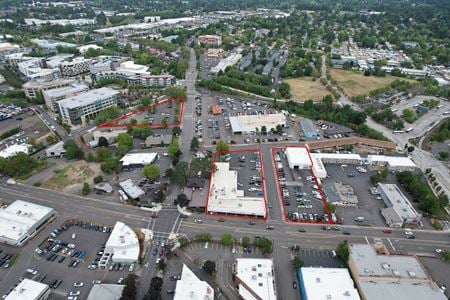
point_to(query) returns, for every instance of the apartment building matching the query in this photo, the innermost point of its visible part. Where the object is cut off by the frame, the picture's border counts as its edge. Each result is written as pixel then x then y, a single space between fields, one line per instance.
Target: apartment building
pixel 86 106
pixel 215 40
pixel 52 96
pixel 34 87
pixel 77 66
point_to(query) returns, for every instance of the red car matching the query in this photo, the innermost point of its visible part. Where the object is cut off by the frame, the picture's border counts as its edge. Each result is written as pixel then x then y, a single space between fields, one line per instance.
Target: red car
pixel 387 230
pixel 221 220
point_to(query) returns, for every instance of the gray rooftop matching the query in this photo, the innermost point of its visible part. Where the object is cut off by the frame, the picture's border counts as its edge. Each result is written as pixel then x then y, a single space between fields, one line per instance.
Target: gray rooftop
pixel 106 292
pixel 88 97
pixel 66 90
pixel 370 264
pixel 132 190
pixel 308 126
pixel 394 198
pixel 378 290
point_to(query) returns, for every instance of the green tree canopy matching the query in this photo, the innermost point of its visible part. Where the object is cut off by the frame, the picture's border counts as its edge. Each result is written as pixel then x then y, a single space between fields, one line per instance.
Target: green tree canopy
pixel 152 171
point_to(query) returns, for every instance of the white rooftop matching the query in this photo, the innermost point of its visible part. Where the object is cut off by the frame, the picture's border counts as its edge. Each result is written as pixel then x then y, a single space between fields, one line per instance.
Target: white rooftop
pixel 130 66
pixel 298 156
pixel 76 60
pixel 225 197
pixel 26 290
pixel 19 217
pixel 257 275
pixel 328 283
pixel 138 159
pixel 398 201
pixel 85 48
pixel 13 150
pixel 66 90
pixel 123 243
pixel 248 123
pixel 190 287
pixel 392 161
pixel 106 292
pixel 88 97
pixel 132 190
pixel 379 290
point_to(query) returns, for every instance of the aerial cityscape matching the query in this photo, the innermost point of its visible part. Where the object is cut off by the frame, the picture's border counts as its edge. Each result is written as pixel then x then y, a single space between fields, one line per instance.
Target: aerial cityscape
pixel 240 149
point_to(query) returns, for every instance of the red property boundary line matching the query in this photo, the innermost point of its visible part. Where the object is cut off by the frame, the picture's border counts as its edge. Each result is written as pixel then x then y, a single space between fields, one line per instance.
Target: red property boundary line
pixel 216 153
pixel 280 194
pixel 112 123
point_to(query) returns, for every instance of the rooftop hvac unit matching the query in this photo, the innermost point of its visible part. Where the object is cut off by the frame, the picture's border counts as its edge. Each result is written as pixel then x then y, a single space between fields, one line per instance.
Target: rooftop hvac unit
pixel 317 279
pixel 412 274
pixel 347 293
pixel 329 296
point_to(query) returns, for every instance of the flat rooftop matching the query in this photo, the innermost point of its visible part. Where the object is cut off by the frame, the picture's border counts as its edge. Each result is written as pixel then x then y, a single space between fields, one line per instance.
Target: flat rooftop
pixel 392 161
pixel 379 290
pixel 66 90
pixel 88 97
pixel 27 289
pixel 327 283
pixel 248 123
pixel 257 275
pixel 298 156
pixel 19 217
pixel 191 287
pixel 132 190
pixel 225 197
pixel 397 200
pixel 138 159
pixel 123 243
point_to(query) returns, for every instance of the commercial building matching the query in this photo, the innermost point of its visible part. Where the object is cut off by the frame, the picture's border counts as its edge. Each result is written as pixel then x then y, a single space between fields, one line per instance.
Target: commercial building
pixel 230 60
pixel 74 67
pixel 55 61
pixel 225 196
pixel 21 220
pixel 215 40
pixel 191 287
pixel 158 140
pixel 56 150
pixel 6 48
pixel 52 96
pixel 29 290
pixel 309 129
pixel 105 291
pixel 399 210
pixel 130 67
pixel 380 276
pixel 51 45
pixel 85 106
pixel 326 283
pixel 163 80
pixel 13 150
pixel 254 278
pixel 131 190
pixel 132 160
pixel 298 158
pixel 34 87
pixel 394 163
pixel 106 63
pixel 83 49
pixel 246 124
pixel 122 246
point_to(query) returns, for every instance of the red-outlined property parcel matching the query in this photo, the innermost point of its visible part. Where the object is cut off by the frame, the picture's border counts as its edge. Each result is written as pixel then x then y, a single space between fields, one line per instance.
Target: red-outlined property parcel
pixel 115 122
pixel 284 193
pixel 236 187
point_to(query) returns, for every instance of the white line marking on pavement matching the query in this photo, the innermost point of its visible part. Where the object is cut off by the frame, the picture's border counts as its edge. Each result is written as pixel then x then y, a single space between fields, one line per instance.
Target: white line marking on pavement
pixel 390 243
pixel 367 240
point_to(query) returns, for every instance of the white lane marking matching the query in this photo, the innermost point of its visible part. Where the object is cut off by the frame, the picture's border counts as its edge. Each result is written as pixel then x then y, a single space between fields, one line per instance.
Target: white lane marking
pixel 390 243
pixel 367 240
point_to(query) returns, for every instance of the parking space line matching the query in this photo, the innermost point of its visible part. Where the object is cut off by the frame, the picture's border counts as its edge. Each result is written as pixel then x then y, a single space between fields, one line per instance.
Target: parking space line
pixel 390 243
pixel 367 240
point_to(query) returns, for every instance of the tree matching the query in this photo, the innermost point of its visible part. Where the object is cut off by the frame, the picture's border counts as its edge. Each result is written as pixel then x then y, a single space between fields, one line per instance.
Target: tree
pixel 182 200
pixel 174 149
pixel 125 141
pixel 279 128
pixel 86 189
pixel 342 251
pixel 179 173
pixel 194 144
pixel 103 153
pixel 263 130
pixel 446 255
pixel 98 179
pixel 297 262
pixel 221 146
pixel 203 237
pixel 152 171
pixel 154 291
pixel 164 122
pixel 51 139
pixel 129 292
pixel 209 267
pixel 101 19
pixel 444 154
pixel 176 131
pixel 102 142
pixel 245 241
pixel 375 178
pixel 331 207
pixel 227 239
pixel 72 150
pixel 111 165
pixel 264 243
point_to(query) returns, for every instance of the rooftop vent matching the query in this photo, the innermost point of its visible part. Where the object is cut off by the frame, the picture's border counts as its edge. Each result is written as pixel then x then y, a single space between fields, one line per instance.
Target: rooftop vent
pixel 412 274
pixel 317 279
pixel 260 284
pixel 329 296
pixel 347 293
pixel 386 266
pixel 396 272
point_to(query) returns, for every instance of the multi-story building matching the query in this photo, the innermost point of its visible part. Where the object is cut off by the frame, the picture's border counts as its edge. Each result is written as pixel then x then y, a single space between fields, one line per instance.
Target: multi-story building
pixel 215 40
pixel 34 87
pixel 52 96
pixel 142 79
pixel 158 80
pixel 254 278
pixel 106 63
pixel 77 66
pixel 85 106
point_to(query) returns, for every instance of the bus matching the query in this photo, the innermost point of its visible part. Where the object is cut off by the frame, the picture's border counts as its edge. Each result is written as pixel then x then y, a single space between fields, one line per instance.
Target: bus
pixel 409 129
pixel 398 131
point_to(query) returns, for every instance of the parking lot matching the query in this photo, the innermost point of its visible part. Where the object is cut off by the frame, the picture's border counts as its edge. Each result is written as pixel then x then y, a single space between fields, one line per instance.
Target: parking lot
pixel 67 261
pixel 319 258
pixel 213 127
pixel 165 113
pixel 298 191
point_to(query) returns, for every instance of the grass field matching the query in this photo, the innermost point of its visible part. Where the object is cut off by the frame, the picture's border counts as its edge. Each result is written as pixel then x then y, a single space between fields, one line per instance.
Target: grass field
pixel 305 89
pixel 355 83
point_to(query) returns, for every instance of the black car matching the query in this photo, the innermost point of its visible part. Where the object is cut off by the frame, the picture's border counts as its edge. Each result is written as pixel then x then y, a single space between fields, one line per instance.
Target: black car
pixel 346 233
pixel 301 230
pixel 56 284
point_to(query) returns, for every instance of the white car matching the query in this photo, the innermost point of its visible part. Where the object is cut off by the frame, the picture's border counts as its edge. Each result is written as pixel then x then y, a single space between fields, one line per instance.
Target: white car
pixel 120 280
pixel 78 284
pixel 72 293
pixel 198 221
pixel 131 268
pixel 438 251
pixel 96 281
pixel 32 271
